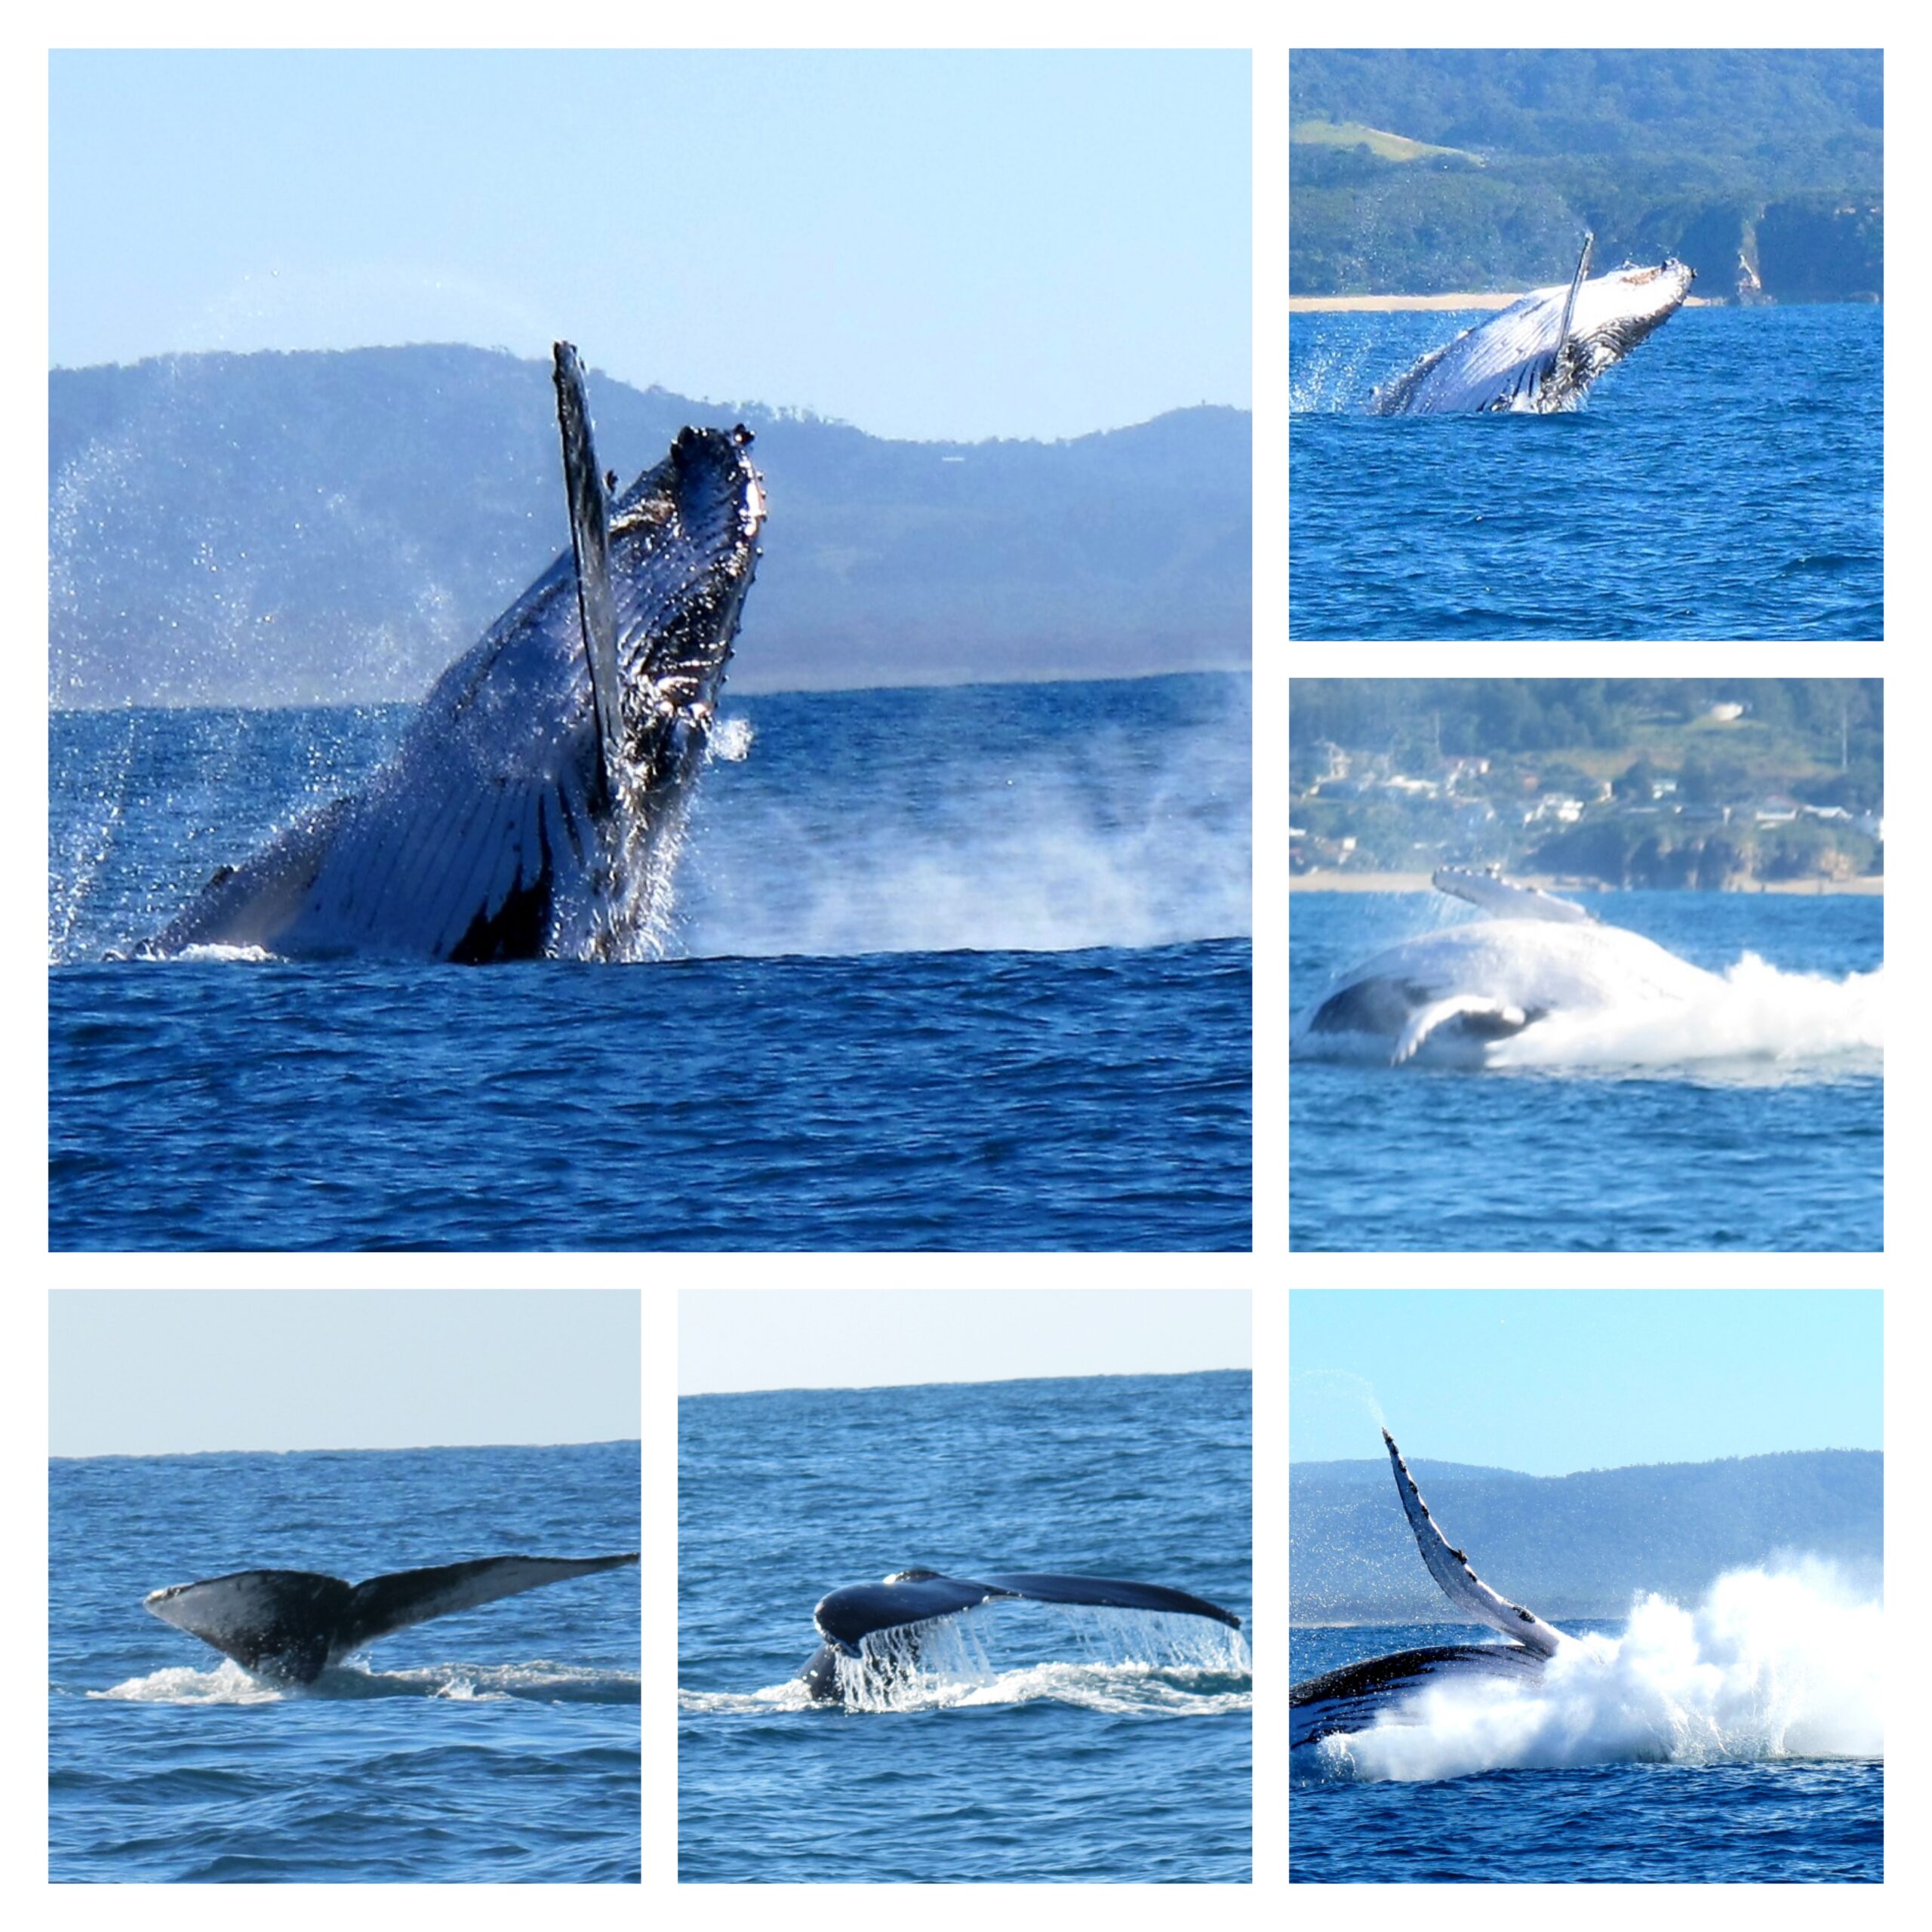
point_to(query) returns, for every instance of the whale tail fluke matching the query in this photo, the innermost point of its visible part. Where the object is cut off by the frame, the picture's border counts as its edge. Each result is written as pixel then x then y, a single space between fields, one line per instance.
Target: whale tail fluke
pixel 847 1617
pixel 291 1624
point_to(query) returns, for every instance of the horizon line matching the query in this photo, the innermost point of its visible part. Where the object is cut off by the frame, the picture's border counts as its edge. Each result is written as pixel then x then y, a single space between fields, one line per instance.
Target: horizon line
pixel 334 1449
pixel 961 1382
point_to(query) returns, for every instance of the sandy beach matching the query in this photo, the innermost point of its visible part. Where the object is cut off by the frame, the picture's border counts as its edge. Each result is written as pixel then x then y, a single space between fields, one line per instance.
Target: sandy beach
pixel 1334 881
pixel 1382 303
pixel 1304 302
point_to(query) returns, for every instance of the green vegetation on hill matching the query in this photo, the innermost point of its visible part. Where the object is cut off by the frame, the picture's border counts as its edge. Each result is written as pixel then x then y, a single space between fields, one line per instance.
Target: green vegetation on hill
pixel 1659 781
pixel 1775 157
pixel 1575 1546
pixel 335 528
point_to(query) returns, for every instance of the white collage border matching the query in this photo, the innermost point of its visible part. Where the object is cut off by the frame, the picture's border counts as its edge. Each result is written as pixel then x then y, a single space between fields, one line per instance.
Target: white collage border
pixel 1269 31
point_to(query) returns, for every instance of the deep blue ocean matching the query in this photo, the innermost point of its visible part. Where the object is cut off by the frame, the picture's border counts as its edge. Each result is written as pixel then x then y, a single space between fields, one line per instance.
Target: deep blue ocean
pixel 1725 481
pixel 964 969
pixel 1779 1148
pixel 1634 1783
pixel 500 1744
pixel 1046 1744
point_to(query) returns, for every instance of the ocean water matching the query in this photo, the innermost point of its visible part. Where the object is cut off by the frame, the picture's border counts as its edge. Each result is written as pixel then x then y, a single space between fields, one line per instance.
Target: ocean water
pixel 1650 1142
pixel 1738 1742
pixel 501 1745
pixel 1039 1744
pixel 1726 481
pixel 962 968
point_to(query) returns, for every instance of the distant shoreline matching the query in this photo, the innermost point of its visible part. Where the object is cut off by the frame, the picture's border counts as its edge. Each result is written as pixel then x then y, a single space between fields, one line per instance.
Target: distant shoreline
pixel 1299 304
pixel 1335 881
pixel 1491 299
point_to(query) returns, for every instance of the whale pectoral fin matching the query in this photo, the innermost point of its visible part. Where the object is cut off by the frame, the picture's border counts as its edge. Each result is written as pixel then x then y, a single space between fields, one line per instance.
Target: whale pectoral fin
pixel 1483 1018
pixel 1576 283
pixel 590 542
pixel 1455 1577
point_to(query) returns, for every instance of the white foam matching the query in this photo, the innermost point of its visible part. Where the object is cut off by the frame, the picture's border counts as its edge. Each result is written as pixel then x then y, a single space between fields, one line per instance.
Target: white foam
pixel 1752 1012
pixel 1132 1661
pixel 538 1681
pixel 1775 1663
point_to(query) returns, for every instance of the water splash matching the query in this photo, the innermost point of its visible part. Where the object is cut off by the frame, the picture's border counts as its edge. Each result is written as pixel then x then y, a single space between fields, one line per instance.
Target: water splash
pixel 1775 1663
pixel 1106 840
pixel 1754 1015
pixel 538 1682
pixel 1331 376
pixel 1130 1661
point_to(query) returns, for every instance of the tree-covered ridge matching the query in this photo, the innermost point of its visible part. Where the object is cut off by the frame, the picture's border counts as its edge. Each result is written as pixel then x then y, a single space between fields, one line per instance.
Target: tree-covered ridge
pixel 334 528
pixel 1764 169
pixel 1577 1546
pixel 1620 782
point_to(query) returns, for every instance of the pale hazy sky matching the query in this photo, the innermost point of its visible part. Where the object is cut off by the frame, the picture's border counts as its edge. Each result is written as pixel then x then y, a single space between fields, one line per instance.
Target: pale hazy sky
pixel 855 1338
pixel 161 1371
pixel 924 243
pixel 1552 1381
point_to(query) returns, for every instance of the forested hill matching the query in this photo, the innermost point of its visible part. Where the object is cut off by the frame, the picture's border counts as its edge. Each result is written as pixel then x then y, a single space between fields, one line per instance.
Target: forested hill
pixel 335 528
pixel 1501 159
pixel 1577 1546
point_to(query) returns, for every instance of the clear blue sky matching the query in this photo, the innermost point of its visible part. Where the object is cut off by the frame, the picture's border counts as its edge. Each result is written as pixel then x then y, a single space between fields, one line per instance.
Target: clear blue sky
pixel 1552 1381
pixel 926 245
pixel 161 1371
pixel 857 1338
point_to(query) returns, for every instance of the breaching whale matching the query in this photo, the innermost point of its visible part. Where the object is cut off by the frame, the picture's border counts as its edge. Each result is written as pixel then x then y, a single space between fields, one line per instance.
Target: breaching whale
pixel 1353 1697
pixel 289 1625
pixel 1448 995
pixel 1541 354
pixel 533 807
pixel 897 1606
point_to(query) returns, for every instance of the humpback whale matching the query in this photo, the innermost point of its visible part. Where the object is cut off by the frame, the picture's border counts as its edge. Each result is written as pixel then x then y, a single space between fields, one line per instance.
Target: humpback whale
pixel 1351 1698
pixel 535 805
pixel 1541 354
pixel 895 1608
pixel 1450 995
pixel 288 1625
